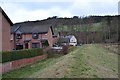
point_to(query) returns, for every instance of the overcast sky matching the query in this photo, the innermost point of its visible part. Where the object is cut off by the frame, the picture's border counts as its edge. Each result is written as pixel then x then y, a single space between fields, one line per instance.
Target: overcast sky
pixel 30 10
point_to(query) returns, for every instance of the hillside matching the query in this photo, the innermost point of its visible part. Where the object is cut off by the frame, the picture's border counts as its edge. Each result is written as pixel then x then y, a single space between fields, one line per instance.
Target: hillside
pixel 106 26
pixel 87 61
pixel 84 27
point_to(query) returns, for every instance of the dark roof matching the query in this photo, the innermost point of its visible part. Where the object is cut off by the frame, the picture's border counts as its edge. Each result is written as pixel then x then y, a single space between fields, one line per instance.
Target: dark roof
pixel 70 36
pixel 31 28
pixel 55 34
pixel 5 15
pixel 64 40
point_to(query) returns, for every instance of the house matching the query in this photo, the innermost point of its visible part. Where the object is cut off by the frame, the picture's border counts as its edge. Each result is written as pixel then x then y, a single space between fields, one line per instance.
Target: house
pixel 84 37
pixel 31 35
pixel 56 37
pixel 68 40
pixel 5 25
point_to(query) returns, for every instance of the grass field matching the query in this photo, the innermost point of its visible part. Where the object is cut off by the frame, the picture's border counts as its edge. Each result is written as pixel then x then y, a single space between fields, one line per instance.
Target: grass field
pixel 86 61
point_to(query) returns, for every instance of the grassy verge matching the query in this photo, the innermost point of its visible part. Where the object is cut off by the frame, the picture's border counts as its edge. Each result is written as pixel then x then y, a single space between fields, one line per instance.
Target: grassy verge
pixel 111 47
pixel 26 71
pixel 87 61
pixel 104 62
pixel 36 67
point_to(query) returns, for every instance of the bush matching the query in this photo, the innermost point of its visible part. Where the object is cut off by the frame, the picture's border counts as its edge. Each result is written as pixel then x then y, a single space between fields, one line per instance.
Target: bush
pixel 65 49
pixel 20 54
pixel 50 53
pixel 54 53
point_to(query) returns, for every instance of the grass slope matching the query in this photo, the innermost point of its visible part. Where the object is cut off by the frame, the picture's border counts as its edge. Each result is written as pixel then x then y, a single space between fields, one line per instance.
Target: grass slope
pixel 87 61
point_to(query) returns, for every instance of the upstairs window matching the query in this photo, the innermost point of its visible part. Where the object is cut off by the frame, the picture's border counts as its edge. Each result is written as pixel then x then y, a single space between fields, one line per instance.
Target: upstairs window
pixel 35 36
pixel 19 36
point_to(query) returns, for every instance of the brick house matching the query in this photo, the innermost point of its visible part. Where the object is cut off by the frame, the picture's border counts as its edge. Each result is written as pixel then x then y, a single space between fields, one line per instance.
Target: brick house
pixel 5 25
pixel 56 37
pixel 31 35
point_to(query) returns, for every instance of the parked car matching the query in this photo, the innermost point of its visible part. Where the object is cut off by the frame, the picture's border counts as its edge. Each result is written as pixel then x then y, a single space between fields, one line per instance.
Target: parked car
pixel 56 47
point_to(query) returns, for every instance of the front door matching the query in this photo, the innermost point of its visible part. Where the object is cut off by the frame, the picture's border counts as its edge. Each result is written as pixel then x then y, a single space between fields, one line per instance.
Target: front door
pixel 26 45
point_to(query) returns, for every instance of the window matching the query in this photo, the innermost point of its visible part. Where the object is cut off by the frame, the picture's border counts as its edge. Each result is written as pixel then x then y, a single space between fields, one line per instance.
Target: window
pixel 35 36
pixel 11 37
pixel 19 36
pixel 45 43
pixel 35 45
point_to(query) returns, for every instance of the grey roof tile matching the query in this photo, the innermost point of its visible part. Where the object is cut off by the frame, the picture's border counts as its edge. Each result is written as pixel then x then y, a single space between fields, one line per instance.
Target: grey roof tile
pixel 30 27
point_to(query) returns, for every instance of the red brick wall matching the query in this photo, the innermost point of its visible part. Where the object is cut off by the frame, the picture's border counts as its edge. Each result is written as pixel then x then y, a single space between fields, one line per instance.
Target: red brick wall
pixel 5 33
pixel 12 45
pixel 6 67
pixel 50 38
pixel 26 61
pixel 0 31
pixel 55 40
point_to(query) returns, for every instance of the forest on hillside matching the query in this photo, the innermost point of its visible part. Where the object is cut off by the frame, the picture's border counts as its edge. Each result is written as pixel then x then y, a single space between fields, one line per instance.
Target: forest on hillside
pixel 99 28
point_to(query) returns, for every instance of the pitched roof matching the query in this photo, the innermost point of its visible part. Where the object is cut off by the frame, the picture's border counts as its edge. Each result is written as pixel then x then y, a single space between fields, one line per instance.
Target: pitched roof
pixel 70 36
pixel 31 28
pixel 56 34
pixel 5 15
pixel 64 40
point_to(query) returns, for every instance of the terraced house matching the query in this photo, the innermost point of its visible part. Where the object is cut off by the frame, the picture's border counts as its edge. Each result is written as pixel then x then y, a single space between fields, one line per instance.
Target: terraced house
pixel 5 25
pixel 31 35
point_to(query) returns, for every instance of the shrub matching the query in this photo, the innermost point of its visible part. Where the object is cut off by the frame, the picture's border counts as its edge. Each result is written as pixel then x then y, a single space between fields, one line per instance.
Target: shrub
pixel 50 53
pixel 46 43
pixel 20 54
pixel 54 53
pixel 65 49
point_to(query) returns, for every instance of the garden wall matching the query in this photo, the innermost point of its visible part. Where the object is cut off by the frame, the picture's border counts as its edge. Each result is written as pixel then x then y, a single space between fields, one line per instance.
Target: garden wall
pixel 6 67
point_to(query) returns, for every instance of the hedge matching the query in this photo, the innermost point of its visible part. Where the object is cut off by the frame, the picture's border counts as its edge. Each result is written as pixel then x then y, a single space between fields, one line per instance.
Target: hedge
pixel 20 54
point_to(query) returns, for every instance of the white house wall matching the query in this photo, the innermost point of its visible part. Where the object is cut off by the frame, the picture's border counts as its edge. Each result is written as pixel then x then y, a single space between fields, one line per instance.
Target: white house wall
pixel 73 41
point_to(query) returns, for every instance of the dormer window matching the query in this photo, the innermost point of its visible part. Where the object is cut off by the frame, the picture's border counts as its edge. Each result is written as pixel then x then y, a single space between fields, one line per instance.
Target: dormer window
pixel 35 36
pixel 19 36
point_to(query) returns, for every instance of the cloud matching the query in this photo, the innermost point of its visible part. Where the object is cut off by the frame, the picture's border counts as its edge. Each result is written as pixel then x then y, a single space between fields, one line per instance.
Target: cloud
pixel 37 0
pixel 18 11
pixel 95 7
pixel 108 1
pixel 40 14
pixel 60 11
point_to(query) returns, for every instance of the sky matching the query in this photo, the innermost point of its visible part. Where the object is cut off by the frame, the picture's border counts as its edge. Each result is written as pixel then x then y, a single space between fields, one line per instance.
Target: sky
pixel 31 10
